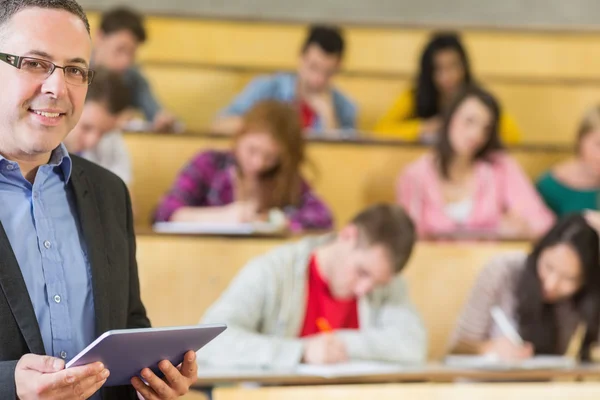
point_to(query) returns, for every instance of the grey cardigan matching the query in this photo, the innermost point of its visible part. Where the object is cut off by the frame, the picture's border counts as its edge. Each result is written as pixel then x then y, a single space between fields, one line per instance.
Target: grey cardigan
pixel 264 309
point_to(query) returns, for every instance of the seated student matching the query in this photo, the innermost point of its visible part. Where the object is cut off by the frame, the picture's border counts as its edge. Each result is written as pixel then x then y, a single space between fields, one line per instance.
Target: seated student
pixel 260 173
pixel 574 185
pixel 546 294
pixel 444 71
pixel 96 137
pixel 321 106
pixel 115 46
pixel 324 300
pixel 467 183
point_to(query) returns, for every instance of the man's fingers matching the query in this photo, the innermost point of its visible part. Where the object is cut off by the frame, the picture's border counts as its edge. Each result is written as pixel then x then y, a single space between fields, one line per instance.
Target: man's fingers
pixel 91 385
pixel 157 385
pixel 44 364
pixel 146 392
pixel 189 368
pixel 70 376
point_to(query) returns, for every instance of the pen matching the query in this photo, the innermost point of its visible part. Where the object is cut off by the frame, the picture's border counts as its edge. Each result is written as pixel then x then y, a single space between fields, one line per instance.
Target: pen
pixel 505 326
pixel 323 325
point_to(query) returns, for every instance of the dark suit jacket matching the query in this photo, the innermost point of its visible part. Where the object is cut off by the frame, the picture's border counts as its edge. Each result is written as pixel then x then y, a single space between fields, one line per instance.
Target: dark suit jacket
pixel 104 209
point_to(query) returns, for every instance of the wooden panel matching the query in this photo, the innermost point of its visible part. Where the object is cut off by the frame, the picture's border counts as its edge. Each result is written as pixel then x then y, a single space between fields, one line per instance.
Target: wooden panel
pixel 345 188
pixel 515 54
pixel 546 113
pixel 191 273
pixel 488 391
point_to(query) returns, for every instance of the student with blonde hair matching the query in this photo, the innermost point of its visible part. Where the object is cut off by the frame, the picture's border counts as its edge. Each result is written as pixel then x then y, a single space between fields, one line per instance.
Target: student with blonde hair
pixel 259 174
pixel 574 185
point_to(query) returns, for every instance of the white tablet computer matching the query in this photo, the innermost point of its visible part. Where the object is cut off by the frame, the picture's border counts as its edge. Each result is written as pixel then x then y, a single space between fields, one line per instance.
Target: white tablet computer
pixel 126 352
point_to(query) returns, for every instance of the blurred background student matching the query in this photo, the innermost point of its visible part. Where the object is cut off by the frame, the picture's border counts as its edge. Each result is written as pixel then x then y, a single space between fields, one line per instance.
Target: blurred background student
pixel 324 300
pixel 97 137
pixel 545 294
pixel 260 173
pixel 444 72
pixel 574 185
pixel 467 182
pixel 320 105
pixel 116 43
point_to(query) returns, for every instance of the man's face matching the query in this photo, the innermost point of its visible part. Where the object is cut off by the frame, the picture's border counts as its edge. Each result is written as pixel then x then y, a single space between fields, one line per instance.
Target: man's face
pixel 360 268
pixel 95 121
pixel 317 68
pixel 115 51
pixel 57 36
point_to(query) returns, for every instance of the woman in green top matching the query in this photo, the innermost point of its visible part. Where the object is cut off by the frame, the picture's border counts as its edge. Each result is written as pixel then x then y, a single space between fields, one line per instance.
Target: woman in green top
pixel 574 185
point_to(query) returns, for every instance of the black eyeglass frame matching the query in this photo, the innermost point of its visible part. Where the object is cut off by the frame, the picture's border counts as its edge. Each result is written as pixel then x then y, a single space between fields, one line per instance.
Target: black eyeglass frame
pixel 17 61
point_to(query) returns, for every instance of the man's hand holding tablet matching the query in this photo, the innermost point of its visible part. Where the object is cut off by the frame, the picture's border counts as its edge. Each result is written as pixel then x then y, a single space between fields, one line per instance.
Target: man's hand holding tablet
pixel 176 381
pixel 45 377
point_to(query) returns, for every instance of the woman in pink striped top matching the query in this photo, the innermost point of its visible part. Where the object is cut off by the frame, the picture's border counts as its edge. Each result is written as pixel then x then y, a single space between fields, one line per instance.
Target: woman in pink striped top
pixel 468 184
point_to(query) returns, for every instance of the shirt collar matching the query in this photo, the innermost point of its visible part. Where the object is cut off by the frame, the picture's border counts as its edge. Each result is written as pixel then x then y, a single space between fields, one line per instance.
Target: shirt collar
pixel 59 158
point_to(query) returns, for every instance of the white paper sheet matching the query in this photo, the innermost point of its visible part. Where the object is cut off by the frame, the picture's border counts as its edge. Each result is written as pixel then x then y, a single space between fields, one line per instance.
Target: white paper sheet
pixel 490 362
pixel 348 369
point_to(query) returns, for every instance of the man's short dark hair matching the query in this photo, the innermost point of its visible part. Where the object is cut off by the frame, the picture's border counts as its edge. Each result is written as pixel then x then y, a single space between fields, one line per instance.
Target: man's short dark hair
pixel 8 8
pixel 109 89
pixel 328 38
pixel 389 226
pixel 123 19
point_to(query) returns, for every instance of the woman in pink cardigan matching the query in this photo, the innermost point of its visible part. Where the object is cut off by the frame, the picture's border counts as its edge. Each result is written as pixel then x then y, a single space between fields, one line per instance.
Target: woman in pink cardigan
pixel 467 185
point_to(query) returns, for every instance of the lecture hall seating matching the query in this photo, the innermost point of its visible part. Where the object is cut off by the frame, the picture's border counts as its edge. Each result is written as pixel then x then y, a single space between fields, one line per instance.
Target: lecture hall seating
pixel 180 277
pixel 545 79
pixel 348 176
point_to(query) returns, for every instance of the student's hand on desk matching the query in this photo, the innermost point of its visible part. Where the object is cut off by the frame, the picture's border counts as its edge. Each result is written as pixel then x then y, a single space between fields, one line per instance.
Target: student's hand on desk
pixel 176 383
pixel 45 377
pixel 325 348
pixel 506 350
pixel 164 122
pixel 242 212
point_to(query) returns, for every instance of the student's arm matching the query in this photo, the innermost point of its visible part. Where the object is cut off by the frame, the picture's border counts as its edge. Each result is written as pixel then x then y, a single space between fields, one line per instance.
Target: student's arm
pixel 242 307
pixel 396 335
pixel 399 122
pixel 525 208
pixel 311 213
pixel 345 110
pixel 510 133
pixel 189 189
pixel 473 331
pixel 230 121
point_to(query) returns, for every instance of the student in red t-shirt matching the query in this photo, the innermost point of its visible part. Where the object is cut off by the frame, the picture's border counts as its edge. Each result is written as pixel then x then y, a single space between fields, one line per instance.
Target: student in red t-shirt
pixel 324 300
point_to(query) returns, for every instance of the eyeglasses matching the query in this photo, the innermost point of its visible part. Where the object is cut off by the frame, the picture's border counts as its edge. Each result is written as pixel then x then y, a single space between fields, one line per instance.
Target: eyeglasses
pixel 74 75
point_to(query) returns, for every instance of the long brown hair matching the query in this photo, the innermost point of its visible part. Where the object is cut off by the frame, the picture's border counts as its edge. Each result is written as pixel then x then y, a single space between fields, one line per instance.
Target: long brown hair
pixel 443 148
pixel 281 184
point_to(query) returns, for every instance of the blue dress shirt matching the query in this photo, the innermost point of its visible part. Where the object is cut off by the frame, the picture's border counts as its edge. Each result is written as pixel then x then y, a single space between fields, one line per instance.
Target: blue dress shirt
pixel 42 224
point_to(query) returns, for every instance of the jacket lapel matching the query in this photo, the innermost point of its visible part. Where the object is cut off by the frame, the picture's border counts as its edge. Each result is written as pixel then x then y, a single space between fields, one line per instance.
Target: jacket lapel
pixel 91 226
pixel 14 288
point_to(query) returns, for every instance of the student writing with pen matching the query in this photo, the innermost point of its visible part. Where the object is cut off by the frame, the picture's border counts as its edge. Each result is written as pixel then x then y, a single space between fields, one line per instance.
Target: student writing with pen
pixel 324 300
pixel 528 304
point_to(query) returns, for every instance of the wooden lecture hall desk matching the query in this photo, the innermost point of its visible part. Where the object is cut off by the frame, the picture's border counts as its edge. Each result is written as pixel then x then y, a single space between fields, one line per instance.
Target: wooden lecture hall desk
pixel 181 276
pixel 433 373
pixel 426 391
pixel 348 174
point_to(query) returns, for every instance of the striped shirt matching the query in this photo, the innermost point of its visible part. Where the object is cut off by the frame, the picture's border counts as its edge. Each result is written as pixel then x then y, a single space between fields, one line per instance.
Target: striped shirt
pixel 208 181
pixel 497 285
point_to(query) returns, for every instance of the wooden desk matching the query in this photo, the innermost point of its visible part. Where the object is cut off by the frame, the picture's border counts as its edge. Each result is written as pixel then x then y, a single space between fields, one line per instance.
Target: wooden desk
pixel 489 391
pixel 209 377
pixel 349 176
pixel 181 276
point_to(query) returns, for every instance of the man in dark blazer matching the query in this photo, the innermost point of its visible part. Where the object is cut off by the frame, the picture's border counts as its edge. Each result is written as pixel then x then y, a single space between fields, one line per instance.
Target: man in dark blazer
pixel 68 270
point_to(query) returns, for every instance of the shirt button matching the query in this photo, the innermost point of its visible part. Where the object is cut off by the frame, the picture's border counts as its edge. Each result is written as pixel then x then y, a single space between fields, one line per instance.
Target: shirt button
pixel 47 244
pixel 10 167
pixel 36 195
pixel 63 354
pixel 57 299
